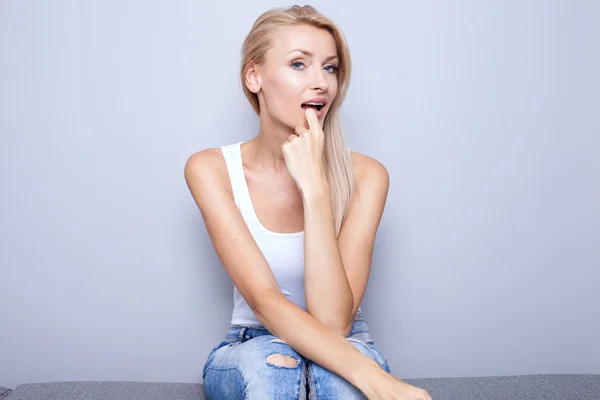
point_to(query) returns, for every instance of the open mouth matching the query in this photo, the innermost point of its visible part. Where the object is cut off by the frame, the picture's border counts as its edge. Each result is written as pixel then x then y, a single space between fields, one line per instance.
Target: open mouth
pixel 310 104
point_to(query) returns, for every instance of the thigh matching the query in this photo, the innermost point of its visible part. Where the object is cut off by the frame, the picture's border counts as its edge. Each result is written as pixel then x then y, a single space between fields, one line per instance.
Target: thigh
pixel 260 368
pixel 325 385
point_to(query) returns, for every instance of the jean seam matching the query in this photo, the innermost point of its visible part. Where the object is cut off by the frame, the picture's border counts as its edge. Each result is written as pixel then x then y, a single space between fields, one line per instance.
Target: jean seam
pixel 311 379
pixel 212 354
pixel 300 382
pixel 226 369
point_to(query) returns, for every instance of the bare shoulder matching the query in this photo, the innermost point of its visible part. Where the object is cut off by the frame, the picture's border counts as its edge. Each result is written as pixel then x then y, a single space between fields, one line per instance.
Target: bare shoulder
pixel 211 159
pixel 206 169
pixel 205 164
pixel 370 172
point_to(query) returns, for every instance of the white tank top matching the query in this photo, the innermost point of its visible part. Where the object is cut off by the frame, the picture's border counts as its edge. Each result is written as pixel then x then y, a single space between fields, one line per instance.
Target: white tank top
pixel 284 252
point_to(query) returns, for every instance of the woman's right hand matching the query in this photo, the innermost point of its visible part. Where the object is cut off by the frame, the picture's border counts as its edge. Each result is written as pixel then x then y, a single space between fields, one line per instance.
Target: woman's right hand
pixel 380 385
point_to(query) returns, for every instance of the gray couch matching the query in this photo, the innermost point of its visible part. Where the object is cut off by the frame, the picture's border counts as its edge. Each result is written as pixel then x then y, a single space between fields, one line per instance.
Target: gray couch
pixel 524 387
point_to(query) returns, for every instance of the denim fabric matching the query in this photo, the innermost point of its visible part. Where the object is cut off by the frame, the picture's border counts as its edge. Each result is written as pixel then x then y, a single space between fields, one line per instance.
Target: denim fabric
pixel 237 368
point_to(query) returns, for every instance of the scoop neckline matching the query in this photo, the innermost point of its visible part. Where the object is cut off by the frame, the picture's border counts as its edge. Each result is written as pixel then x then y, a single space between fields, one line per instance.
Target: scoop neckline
pixel 251 204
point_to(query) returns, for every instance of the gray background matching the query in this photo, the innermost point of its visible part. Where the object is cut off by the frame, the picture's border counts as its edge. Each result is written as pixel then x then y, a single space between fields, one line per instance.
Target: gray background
pixel 485 114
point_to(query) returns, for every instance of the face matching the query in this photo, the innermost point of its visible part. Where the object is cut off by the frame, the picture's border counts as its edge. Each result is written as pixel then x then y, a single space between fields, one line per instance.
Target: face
pixel 300 71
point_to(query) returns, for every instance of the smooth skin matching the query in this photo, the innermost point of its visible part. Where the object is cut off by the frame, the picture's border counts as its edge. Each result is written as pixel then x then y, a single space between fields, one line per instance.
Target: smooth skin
pixel 290 193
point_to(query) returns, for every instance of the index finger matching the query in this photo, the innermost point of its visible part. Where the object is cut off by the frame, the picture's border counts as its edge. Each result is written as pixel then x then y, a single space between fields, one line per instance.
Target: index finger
pixel 311 118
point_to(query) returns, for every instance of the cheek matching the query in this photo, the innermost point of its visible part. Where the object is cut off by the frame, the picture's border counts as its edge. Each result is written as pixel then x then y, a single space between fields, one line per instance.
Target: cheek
pixel 283 93
pixel 333 86
pixel 287 86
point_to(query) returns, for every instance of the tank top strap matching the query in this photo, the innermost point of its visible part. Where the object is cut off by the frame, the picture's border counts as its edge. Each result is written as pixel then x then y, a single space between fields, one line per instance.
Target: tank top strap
pixel 233 159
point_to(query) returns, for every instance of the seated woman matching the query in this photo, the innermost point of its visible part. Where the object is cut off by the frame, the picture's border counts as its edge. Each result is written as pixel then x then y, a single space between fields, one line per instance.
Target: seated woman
pixel 293 215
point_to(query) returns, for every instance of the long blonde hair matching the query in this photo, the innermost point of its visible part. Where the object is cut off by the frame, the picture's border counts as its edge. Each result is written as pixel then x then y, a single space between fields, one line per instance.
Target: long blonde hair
pixel 338 162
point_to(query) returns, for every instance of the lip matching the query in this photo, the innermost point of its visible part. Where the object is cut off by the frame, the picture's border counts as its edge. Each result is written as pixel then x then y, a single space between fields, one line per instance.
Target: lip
pixel 317 100
pixel 323 100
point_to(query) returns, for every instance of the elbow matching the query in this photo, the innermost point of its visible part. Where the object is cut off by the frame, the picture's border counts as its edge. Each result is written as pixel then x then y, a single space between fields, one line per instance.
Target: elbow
pixel 341 323
pixel 342 326
pixel 338 320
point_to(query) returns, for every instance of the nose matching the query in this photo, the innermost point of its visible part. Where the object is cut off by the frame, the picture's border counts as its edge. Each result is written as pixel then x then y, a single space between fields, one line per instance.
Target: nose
pixel 319 81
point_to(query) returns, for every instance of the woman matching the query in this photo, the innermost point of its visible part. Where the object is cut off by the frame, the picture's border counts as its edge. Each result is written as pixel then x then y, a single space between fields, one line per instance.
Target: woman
pixel 292 215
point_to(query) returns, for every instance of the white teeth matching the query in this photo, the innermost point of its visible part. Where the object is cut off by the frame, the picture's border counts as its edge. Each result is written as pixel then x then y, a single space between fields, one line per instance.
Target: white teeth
pixel 310 103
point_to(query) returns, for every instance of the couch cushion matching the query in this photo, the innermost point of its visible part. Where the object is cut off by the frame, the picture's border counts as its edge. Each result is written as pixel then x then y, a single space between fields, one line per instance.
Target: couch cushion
pixel 108 391
pixel 530 387
pixel 4 392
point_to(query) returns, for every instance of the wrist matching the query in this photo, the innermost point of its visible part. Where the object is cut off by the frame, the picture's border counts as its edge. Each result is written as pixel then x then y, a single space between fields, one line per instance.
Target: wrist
pixel 316 192
pixel 366 375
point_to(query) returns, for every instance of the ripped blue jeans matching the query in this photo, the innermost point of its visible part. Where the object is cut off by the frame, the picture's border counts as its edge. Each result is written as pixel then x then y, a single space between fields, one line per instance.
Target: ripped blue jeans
pixel 238 368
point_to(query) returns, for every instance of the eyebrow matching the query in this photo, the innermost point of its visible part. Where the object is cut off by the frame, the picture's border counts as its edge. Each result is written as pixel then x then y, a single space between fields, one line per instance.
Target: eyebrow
pixel 309 54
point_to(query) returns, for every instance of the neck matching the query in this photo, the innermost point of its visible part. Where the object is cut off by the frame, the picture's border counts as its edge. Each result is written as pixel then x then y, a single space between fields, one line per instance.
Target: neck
pixel 264 151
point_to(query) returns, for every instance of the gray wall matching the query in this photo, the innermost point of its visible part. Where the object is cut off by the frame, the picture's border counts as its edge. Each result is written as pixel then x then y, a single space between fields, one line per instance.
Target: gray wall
pixel 485 113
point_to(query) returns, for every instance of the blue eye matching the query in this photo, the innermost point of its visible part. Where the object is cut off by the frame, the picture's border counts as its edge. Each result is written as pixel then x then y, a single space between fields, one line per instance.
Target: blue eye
pixel 295 63
pixel 331 68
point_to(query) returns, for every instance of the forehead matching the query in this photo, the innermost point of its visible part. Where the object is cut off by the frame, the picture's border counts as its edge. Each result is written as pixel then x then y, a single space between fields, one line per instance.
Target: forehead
pixel 317 41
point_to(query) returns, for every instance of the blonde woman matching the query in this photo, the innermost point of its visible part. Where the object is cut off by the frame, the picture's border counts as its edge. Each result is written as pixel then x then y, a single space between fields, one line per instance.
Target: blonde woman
pixel 292 215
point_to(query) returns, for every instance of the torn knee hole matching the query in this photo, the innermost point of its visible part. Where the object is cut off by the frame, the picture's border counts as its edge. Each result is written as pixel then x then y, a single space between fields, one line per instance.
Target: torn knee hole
pixel 280 360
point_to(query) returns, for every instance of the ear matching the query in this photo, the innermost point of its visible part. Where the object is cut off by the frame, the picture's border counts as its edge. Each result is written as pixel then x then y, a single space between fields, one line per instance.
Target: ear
pixel 252 78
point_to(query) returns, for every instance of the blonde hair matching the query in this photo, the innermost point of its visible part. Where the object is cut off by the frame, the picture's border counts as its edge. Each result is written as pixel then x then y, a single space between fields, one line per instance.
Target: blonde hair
pixel 338 162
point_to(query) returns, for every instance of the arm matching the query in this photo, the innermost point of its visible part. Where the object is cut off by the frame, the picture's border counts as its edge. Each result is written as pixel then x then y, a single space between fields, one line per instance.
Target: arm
pixel 337 269
pixel 206 176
